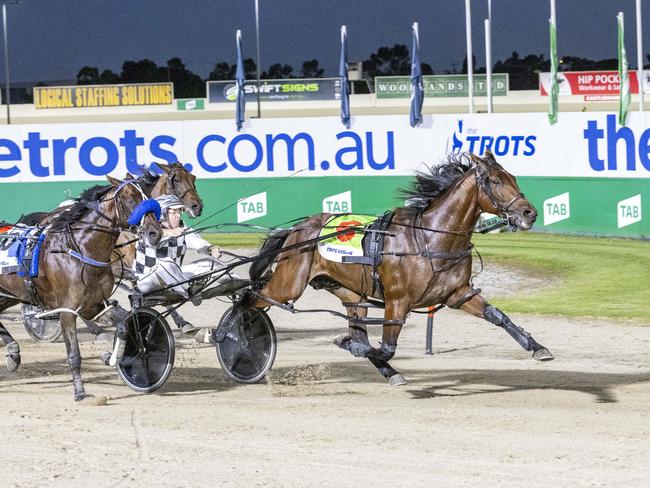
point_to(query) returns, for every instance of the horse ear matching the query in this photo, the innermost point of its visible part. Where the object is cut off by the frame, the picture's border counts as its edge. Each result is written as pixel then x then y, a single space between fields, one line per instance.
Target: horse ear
pixel 129 176
pixel 165 167
pixel 476 158
pixel 113 181
pixel 489 156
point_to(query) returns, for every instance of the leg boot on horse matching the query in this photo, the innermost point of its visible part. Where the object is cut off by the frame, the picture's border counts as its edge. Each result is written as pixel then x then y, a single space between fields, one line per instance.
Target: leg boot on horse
pixel 479 307
pixel 357 342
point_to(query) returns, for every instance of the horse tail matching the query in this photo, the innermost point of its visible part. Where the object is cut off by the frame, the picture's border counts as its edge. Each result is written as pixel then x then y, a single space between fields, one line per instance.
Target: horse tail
pixel 268 253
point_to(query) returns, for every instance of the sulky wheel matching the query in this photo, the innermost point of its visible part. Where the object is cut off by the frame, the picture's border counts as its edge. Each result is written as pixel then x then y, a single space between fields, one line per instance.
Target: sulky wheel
pixel 248 351
pixel 47 329
pixel 149 353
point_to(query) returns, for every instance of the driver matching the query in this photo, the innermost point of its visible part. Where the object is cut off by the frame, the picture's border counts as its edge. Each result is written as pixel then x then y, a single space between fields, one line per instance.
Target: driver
pixel 163 266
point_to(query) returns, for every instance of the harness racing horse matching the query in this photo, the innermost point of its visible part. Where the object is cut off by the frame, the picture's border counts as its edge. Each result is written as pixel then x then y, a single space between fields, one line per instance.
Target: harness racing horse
pixel 426 259
pixel 74 273
pixel 174 180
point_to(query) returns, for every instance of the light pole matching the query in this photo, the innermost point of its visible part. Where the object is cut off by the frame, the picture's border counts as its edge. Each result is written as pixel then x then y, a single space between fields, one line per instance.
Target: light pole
pixel 7 77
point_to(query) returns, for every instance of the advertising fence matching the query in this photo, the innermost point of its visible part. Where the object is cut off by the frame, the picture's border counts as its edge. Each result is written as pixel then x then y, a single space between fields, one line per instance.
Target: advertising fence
pixel 103 95
pixel 286 90
pixel 586 174
pixel 594 85
pixel 440 86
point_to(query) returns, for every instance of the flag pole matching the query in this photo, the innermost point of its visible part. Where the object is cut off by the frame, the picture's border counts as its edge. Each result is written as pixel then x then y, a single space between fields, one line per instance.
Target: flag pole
pixel 488 56
pixel 257 37
pixel 488 64
pixel 639 53
pixel 552 96
pixel 470 68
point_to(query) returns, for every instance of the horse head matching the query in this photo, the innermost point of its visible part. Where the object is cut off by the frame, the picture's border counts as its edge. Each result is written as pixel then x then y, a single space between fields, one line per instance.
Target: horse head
pixel 125 197
pixel 180 182
pixel 499 194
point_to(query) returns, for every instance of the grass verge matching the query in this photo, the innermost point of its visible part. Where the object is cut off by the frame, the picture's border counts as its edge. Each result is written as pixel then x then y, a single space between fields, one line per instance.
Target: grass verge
pixel 591 276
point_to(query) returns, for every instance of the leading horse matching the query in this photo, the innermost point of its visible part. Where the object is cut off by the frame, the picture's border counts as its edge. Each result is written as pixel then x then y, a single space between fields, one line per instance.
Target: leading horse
pixel 426 259
pixel 78 282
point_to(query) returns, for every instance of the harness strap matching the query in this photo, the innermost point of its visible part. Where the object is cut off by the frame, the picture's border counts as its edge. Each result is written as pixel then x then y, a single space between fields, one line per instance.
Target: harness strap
pixel 87 260
pixel 470 294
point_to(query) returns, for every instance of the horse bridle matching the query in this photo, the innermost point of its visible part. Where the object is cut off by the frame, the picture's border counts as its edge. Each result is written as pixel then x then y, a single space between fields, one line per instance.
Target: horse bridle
pixel 482 181
pixel 171 176
pixel 116 222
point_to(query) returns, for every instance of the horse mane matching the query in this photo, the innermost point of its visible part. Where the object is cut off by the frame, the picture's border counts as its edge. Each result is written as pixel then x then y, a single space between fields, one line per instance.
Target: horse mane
pixel 79 208
pixel 430 184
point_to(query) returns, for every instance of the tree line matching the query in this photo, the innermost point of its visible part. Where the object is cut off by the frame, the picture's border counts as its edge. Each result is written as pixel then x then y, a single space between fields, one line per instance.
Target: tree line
pixel 387 61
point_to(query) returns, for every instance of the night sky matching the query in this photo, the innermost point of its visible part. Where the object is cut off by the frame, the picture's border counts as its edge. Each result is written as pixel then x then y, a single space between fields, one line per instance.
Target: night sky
pixel 53 39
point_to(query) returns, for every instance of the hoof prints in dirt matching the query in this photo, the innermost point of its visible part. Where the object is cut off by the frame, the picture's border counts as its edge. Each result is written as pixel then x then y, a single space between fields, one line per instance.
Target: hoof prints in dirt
pixel 299 380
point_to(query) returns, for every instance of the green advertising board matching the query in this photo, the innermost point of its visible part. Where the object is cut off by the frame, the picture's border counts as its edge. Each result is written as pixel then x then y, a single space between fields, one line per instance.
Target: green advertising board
pixel 441 86
pixel 604 206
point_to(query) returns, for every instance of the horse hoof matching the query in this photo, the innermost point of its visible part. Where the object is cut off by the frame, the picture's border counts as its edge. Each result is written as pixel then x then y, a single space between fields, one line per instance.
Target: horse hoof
pixel 396 380
pixel 82 396
pixel 13 357
pixel 343 341
pixel 543 354
pixel 13 362
pixel 105 357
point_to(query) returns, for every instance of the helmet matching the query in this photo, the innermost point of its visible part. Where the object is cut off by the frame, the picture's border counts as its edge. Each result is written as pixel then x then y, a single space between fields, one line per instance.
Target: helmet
pixel 169 201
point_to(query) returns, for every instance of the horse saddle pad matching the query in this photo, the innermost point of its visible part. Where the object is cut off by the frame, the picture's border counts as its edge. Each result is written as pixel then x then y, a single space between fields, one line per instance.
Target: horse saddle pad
pixel 19 250
pixel 361 245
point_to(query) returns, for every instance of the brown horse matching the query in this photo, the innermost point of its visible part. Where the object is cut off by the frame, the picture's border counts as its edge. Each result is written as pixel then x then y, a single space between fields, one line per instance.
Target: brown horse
pixel 426 259
pixel 77 285
pixel 174 180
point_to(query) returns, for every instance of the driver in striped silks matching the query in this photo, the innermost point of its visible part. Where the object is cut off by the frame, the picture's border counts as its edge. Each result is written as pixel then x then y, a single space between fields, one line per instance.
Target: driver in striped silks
pixel 163 266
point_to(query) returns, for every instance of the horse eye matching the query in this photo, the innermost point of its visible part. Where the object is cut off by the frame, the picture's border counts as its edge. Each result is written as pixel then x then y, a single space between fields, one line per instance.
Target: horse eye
pixel 495 182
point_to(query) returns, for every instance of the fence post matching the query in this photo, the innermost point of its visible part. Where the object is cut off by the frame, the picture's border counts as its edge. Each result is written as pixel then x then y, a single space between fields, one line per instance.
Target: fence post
pixel 430 331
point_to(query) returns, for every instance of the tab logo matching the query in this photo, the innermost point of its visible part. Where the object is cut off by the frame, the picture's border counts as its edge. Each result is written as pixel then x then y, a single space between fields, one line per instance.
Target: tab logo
pixel 339 203
pixel 556 209
pixel 629 211
pixel 251 207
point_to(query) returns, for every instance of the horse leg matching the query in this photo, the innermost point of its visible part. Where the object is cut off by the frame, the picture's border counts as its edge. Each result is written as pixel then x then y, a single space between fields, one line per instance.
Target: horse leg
pixel 479 307
pixel 181 323
pixel 69 328
pixel 357 342
pixel 12 359
pixel 12 355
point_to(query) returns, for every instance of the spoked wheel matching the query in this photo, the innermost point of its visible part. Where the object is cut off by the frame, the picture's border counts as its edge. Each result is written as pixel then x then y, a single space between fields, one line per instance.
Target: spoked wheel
pixel 248 351
pixel 47 329
pixel 149 353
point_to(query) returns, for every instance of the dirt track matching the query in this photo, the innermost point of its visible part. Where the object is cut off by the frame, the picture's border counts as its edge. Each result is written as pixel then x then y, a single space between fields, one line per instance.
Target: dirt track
pixel 479 412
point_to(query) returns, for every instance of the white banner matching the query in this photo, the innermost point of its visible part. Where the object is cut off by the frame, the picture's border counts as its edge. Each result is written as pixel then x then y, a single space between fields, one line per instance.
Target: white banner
pixel 580 145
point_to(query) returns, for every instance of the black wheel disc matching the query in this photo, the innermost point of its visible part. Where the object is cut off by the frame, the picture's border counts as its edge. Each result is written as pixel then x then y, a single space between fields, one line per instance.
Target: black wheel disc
pixel 149 353
pixel 248 351
pixel 47 329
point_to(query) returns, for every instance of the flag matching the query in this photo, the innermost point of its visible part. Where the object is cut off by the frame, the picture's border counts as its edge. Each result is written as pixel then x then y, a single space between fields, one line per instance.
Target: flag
pixel 417 92
pixel 343 79
pixel 624 77
pixel 552 105
pixel 239 85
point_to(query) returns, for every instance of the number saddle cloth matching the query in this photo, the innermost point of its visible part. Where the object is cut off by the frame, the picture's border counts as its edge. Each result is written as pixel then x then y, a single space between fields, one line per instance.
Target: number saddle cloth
pixel 363 244
pixel 20 248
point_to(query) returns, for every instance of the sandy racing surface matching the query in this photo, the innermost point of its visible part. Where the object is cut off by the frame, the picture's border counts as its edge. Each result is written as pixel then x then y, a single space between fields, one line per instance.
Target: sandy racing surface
pixel 479 412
